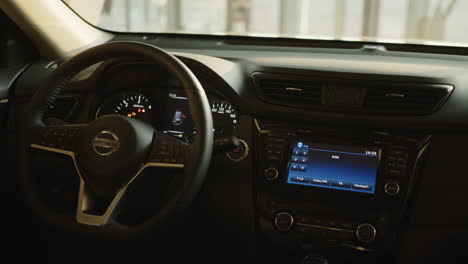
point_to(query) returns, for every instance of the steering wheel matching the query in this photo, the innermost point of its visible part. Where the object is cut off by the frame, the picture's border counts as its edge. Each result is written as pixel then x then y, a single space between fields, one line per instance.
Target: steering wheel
pixel 112 151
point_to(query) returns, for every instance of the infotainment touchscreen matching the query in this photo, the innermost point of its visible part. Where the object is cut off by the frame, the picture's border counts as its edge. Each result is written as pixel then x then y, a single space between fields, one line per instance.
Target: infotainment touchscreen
pixel 348 168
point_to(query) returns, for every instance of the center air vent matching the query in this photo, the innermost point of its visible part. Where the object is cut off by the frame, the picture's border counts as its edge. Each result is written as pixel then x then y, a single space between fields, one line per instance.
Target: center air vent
pixel 360 96
pixel 287 91
pixel 410 99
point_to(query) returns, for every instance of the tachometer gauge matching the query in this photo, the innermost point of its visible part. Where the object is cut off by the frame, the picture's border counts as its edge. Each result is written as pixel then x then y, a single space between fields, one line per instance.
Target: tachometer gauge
pixel 224 118
pixel 133 104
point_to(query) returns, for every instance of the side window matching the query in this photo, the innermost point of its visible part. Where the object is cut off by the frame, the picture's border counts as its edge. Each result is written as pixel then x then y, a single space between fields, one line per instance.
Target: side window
pixel 15 47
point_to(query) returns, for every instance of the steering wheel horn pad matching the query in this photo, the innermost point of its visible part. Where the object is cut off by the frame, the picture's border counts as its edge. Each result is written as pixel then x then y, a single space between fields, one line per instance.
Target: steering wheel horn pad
pixel 110 150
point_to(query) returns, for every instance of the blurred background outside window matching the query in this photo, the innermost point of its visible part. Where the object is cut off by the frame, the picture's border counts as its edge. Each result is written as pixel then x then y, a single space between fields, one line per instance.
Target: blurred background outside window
pixel 384 20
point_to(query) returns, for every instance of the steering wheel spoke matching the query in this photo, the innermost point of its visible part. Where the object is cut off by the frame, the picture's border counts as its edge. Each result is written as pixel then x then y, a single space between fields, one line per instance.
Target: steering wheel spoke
pixel 56 138
pixel 167 152
pixel 87 204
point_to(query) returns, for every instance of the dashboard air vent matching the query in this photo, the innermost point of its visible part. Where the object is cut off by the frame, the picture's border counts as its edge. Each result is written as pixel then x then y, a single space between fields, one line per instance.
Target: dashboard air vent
pixel 63 108
pixel 289 91
pixel 411 99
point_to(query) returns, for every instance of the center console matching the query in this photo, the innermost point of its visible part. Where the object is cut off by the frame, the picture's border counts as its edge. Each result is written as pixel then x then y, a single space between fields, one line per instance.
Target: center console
pixel 319 188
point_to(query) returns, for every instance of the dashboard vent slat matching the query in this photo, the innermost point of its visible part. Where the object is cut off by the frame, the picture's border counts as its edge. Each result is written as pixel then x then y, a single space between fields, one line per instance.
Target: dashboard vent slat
pixel 411 99
pixel 289 91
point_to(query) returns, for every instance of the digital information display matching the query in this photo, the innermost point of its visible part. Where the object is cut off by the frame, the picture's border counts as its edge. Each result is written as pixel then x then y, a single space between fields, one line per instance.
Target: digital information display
pixel 348 168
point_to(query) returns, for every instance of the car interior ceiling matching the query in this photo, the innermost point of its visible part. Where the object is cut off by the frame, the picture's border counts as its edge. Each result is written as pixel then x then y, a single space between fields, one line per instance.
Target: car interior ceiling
pixel 286 116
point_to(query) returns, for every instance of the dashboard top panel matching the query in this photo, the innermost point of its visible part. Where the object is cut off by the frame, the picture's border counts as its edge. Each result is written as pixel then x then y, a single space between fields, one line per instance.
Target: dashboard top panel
pixel 229 68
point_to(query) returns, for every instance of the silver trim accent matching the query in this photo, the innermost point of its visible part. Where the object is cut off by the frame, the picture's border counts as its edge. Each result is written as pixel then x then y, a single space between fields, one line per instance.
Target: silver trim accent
pixel 165 165
pixel 101 220
pixel 85 201
pixel 259 129
pixel 293 89
pixel 246 152
pixel 55 150
pixel 374 232
pixel 389 193
pixel 395 95
pixel 276 174
pixel 359 248
pixel 325 227
pixel 290 225
pixel 97 112
pixel 4 101
pixel 99 142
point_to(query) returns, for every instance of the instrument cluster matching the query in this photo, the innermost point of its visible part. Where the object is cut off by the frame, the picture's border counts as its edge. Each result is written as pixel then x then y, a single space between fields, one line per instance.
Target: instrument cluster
pixel 167 110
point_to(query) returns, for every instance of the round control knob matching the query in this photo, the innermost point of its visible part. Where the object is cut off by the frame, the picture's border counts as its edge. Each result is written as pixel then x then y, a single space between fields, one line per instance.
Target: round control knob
pixel 284 221
pixel 271 174
pixel 366 233
pixel 392 188
pixel 239 153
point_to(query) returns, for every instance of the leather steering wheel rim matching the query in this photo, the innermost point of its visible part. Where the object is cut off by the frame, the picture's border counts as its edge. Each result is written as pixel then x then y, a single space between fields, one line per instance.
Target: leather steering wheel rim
pixel 200 150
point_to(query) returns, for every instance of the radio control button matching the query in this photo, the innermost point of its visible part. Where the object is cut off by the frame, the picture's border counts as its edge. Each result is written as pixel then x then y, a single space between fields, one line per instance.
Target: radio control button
pixel 392 188
pixel 366 233
pixel 276 146
pixel 294 166
pixel 364 187
pixel 284 221
pixel 340 184
pixel 394 173
pixel 272 157
pixel 302 167
pixel 271 174
pixel 279 140
pixel 300 179
pixel 296 151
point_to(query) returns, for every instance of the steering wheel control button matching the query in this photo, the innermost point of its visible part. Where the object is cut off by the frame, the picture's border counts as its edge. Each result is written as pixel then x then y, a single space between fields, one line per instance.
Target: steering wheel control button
pixel 271 174
pixel 284 221
pixel 366 233
pixel 239 153
pixel 168 150
pixel 392 188
pixel 58 136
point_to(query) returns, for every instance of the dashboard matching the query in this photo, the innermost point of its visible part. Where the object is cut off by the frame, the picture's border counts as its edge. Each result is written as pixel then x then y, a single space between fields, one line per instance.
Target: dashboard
pixel 351 153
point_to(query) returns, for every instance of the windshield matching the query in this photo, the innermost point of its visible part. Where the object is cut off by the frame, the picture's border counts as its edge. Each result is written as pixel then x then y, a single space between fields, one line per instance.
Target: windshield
pixel 441 22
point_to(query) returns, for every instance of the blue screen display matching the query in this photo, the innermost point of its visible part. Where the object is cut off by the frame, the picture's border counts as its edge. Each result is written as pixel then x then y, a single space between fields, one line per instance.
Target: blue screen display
pixel 349 168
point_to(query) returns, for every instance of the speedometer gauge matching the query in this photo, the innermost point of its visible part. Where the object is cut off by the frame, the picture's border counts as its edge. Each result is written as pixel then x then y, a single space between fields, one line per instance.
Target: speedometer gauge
pixel 224 118
pixel 133 105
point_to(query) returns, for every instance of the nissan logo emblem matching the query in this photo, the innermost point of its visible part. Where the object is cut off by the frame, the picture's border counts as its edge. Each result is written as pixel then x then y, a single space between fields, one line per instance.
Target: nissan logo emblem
pixel 105 143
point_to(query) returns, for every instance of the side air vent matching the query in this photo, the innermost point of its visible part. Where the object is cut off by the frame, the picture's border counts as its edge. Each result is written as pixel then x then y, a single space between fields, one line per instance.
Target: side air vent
pixel 410 99
pixel 63 108
pixel 288 91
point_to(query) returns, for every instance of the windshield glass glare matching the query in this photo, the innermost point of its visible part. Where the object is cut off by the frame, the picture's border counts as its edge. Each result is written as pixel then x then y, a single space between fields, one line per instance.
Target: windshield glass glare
pixel 406 21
